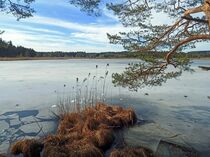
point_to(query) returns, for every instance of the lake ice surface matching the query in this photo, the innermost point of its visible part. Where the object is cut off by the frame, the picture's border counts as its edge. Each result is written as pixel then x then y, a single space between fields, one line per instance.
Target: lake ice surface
pixel 29 90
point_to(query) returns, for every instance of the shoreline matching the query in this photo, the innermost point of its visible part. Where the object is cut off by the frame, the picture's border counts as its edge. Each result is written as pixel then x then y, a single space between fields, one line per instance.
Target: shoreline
pixel 49 58
pixel 67 58
pixel 33 58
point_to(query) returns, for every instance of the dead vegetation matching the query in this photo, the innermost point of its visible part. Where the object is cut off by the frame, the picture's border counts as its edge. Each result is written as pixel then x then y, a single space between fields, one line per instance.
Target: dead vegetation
pixel 28 147
pixel 88 133
pixel 132 152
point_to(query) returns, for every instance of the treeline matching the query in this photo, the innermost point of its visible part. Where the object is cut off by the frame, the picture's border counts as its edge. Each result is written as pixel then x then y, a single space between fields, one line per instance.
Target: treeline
pixel 7 49
pixel 83 54
pixel 199 54
pixel 152 54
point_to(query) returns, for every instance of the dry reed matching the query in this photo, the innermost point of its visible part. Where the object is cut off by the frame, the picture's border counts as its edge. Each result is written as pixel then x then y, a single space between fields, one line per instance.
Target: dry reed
pixel 88 133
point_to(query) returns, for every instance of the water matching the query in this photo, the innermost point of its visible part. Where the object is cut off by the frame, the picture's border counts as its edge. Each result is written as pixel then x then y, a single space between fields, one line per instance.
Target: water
pixel 29 90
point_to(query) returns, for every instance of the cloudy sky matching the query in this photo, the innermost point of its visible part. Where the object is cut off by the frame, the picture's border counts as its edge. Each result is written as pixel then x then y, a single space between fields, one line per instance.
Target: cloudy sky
pixel 58 26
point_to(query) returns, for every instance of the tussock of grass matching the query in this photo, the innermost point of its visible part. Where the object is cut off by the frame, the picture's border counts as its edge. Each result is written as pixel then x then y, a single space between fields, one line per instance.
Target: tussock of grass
pixel 80 149
pixel 88 133
pixel 29 148
pixel 132 152
pixel 104 138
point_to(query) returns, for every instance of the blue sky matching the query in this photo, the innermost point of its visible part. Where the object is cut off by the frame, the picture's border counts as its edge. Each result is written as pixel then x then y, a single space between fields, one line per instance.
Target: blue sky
pixel 58 26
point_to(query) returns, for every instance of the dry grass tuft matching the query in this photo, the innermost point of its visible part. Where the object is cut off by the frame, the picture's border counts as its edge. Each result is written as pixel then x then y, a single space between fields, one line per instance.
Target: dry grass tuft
pixel 55 151
pixel 104 138
pixel 28 148
pixel 56 140
pixel 90 124
pixel 85 134
pixel 68 123
pixel 132 152
pixel 116 116
pixel 83 149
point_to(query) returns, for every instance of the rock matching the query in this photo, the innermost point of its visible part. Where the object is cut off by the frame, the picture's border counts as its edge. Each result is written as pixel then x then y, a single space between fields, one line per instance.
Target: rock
pixel 185 96
pixel 147 136
pixel 208 97
pixel 168 149
pixel 146 94
pixel 151 136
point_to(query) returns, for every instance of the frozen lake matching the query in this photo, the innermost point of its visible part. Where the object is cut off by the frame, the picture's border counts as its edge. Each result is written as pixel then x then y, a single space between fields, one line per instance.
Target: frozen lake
pixel 29 90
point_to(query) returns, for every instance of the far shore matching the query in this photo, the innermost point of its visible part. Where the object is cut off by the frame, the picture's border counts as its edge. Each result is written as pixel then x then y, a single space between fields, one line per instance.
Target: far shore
pixel 53 58
pixel 65 58
pixel 33 58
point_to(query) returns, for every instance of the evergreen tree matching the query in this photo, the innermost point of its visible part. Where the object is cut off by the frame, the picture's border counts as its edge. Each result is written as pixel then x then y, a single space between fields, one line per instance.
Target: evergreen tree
pixel 192 25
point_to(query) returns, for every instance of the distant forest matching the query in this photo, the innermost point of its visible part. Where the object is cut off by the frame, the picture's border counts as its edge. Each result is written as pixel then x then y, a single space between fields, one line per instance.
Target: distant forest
pixel 7 49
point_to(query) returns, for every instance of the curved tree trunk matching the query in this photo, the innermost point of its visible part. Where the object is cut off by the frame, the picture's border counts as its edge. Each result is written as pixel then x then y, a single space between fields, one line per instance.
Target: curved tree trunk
pixel 205 8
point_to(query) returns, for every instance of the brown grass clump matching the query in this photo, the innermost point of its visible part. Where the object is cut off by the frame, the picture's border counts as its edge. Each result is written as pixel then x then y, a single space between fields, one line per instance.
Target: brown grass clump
pixel 90 124
pixel 68 123
pixel 104 138
pixel 56 140
pixel 54 146
pixel 124 118
pixel 132 152
pixel 85 134
pixel 83 149
pixel 55 151
pixel 29 148
pixel 117 116
pixel 66 146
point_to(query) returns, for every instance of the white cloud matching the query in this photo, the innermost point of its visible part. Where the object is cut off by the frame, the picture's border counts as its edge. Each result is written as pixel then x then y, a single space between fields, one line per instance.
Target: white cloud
pixel 94 37
pixel 88 28
pixel 43 41
pixel 33 33
pixel 109 14
pixel 201 46
pixel 86 37
pixel 31 29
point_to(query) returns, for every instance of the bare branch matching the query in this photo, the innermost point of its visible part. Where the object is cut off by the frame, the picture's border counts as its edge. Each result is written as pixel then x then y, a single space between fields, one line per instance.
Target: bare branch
pixel 192 38
pixel 194 19
pixel 1 32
